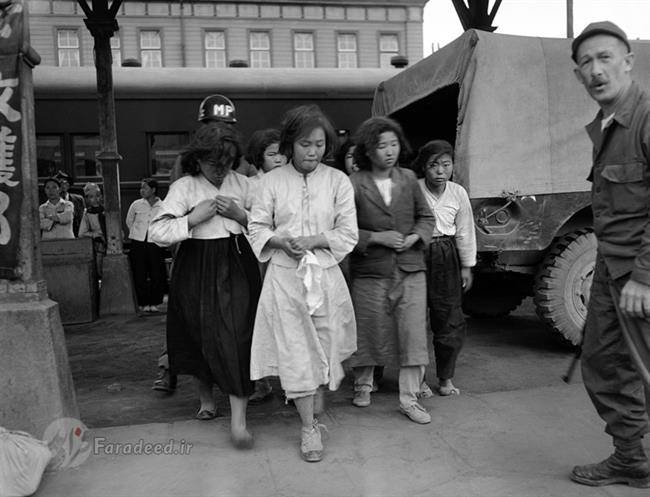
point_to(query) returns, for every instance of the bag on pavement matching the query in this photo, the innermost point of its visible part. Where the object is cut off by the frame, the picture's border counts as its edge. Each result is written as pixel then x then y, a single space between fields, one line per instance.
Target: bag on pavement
pixel 22 461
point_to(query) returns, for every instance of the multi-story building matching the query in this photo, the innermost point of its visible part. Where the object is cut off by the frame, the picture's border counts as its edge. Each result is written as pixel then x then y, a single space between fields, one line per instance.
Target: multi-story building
pixel 212 33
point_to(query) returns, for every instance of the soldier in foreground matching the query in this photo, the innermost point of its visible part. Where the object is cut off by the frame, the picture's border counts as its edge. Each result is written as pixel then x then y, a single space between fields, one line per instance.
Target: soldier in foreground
pixel 617 332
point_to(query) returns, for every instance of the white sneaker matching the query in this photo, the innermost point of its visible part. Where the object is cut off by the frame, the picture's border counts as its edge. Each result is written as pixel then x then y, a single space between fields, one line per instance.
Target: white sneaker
pixel 311 444
pixel 361 398
pixel 425 391
pixel 416 413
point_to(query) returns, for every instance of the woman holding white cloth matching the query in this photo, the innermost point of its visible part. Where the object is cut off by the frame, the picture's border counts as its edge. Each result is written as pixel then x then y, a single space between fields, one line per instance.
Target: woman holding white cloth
pixel 303 222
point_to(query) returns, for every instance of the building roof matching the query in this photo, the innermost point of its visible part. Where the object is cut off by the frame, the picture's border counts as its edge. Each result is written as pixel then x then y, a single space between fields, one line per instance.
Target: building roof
pixel 325 3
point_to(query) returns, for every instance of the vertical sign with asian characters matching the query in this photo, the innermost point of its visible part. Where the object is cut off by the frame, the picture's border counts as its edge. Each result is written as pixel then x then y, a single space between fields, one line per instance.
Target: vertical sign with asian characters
pixel 11 184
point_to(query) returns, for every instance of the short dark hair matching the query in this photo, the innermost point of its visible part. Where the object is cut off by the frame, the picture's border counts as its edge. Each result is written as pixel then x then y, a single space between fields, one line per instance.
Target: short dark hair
pixel 339 158
pixel 63 175
pixel 367 139
pixel 52 179
pixel 434 148
pixel 216 140
pixel 300 121
pixel 151 183
pixel 258 143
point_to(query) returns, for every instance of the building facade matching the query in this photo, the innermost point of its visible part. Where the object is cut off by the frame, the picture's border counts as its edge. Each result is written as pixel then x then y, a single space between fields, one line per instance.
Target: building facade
pixel 208 33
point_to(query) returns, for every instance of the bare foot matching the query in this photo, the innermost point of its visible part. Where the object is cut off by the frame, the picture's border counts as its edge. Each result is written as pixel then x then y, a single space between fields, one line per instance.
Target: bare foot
pixel 241 438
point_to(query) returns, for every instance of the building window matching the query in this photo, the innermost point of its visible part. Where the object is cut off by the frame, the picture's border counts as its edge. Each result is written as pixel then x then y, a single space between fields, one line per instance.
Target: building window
pixel 347 50
pixel 67 44
pixel 303 50
pixel 84 155
pixel 388 47
pixel 116 50
pixel 260 49
pixel 49 155
pixel 164 148
pixel 150 48
pixel 214 43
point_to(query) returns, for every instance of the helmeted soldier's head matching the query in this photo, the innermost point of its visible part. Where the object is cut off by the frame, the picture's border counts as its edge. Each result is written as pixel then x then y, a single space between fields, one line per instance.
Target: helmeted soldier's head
pixel 217 108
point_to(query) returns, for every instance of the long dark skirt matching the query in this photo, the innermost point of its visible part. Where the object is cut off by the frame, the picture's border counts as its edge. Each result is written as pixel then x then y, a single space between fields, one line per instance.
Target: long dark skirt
pixel 215 286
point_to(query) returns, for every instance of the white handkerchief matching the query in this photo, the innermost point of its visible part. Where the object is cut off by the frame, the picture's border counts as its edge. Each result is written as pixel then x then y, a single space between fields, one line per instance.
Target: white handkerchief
pixel 311 272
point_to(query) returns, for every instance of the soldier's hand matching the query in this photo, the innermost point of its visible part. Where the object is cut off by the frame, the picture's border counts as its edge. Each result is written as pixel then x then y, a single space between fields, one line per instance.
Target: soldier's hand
pixel 635 299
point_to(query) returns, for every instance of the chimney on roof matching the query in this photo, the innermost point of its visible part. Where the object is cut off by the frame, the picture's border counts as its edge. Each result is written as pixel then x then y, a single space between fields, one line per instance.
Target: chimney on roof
pixel 399 61
pixel 237 63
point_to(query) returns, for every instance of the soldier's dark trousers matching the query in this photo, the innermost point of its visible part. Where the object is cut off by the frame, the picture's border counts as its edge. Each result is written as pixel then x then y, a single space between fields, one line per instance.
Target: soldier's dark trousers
pixel 608 371
pixel 444 295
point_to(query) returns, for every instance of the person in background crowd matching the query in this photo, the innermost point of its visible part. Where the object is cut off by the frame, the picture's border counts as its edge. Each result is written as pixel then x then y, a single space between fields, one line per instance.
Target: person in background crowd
pixel 388 266
pixel 147 259
pixel 263 152
pixel 55 214
pixel 303 223
pixel 345 158
pixel 77 200
pixel 93 224
pixel 450 258
pixel 619 303
pixel 215 279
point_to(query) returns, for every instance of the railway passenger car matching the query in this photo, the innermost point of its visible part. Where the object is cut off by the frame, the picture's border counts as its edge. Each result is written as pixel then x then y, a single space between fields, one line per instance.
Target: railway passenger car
pixel 156 111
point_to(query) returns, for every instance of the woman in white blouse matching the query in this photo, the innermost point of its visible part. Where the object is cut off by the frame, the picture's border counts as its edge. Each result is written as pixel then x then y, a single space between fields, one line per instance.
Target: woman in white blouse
pixel 147 259
pixel 303 222
pixel 215 280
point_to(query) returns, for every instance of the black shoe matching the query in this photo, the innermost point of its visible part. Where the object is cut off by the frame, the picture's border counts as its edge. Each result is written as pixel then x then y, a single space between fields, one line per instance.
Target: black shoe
pixel 165 382
pixel 614 469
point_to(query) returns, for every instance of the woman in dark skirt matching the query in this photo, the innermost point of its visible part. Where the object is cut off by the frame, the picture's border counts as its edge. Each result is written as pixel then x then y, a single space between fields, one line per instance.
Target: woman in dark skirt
pixel 215 281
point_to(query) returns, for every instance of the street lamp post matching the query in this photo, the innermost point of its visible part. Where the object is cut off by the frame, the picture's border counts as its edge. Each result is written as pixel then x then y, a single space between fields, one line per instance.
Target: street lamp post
pixel 117 296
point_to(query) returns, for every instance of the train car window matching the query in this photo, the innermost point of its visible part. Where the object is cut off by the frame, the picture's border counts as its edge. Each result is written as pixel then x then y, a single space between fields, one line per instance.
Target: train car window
pixel 116 50
pixel 163 150
pixel 260 49
pixel 346 46
pixel 49 154
pixel 84 155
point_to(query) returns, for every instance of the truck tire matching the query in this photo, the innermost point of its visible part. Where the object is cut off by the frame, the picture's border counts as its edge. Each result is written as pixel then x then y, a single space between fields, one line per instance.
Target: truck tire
pixel 492 296
pixel 563 282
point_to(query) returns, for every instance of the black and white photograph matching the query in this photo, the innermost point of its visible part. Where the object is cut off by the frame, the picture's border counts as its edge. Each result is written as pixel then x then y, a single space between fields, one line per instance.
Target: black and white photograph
pixel 324 248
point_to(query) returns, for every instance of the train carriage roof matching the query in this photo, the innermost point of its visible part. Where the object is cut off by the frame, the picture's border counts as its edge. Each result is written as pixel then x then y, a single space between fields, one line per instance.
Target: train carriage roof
pixel 138 82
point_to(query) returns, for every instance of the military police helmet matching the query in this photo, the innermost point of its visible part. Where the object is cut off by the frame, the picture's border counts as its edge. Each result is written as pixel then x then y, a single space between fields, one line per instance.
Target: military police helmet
pixel 217 108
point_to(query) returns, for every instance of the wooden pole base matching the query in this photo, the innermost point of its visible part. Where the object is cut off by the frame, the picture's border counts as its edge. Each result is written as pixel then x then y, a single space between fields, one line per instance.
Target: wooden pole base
pixel 117 295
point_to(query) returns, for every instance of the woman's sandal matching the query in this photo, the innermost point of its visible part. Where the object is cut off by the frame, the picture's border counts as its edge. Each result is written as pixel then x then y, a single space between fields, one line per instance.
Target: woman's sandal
pixel 206 414
pixel 446 391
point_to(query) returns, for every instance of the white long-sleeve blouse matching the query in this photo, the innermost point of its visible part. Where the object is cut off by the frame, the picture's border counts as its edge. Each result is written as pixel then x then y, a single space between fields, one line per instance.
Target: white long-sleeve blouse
pixel 288 203
pixel 170 224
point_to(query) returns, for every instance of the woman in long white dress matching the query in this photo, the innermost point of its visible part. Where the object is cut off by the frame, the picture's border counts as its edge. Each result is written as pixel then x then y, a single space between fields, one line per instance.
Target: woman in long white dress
pixel 303 222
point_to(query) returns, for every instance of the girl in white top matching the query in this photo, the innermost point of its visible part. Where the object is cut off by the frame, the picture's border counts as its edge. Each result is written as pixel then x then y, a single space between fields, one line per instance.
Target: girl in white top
pixel 303 222
pixel 263 152
pixel 147 259
pixel 452 254
pixel 56 214
pixel 215 280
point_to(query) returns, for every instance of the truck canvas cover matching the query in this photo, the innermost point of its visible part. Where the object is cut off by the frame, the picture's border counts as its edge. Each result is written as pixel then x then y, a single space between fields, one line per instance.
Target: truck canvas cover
pixel 519 111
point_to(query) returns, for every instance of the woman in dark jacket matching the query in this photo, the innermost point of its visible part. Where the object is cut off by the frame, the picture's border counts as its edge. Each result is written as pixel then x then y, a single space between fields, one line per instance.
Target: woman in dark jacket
pixel 388 266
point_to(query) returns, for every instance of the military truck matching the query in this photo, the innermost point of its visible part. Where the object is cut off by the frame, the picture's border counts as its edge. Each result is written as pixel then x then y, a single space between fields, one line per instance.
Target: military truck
pixel 515 113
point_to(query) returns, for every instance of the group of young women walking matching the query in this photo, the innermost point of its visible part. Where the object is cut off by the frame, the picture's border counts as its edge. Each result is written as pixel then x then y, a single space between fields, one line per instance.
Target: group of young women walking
pixel 296 223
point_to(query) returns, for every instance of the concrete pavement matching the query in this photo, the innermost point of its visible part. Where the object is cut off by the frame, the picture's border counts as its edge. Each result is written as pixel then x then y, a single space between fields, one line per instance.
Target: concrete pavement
pixel 518 443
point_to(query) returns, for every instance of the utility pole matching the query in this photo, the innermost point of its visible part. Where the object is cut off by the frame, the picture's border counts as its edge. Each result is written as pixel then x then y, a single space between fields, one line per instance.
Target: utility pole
pixel 569 18
pixel 117 295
